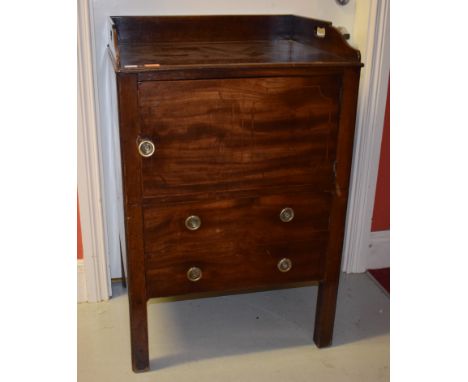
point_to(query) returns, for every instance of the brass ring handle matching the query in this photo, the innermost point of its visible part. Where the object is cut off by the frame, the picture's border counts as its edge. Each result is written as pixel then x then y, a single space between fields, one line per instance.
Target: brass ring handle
pixel 194 274
pixel 146 148
pixel 287 214
pixel 193 222
pixel 284 265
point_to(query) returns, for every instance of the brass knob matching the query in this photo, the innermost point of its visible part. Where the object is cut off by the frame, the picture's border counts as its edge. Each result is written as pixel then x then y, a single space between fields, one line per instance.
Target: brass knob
pixel 284 265
pixel 287 214
pixel 193 222
pixel 146 148
pixel 194 274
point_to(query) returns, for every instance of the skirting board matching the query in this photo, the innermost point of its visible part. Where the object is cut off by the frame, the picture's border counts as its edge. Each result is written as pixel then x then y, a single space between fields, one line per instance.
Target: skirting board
pixel 379 250
pixel 81 278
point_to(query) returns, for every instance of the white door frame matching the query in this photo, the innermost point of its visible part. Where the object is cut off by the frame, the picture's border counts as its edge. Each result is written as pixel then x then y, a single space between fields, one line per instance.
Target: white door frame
pixel 372 35
pixel 89 169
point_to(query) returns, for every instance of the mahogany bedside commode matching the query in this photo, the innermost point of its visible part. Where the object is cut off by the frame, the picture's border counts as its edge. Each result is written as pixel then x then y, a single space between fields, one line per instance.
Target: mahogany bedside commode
pixel 236 137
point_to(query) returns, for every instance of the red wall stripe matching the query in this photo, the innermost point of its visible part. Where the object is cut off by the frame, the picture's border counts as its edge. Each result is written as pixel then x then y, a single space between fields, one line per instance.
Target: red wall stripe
pixel 79 240
pixel 381 215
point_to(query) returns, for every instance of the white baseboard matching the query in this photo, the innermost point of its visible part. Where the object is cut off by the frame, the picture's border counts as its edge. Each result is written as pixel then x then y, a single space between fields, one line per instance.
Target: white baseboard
pixel 379 250
pixel 82 293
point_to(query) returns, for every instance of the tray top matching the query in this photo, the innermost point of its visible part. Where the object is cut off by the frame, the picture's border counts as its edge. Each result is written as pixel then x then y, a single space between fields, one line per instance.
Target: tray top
pixel 152 43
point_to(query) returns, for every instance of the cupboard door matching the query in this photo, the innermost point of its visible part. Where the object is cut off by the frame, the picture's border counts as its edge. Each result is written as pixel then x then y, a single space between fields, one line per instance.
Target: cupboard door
pixel 238 134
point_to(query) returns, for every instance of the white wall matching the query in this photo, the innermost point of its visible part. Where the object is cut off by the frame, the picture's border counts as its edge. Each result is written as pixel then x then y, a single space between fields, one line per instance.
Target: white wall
pixel 102 9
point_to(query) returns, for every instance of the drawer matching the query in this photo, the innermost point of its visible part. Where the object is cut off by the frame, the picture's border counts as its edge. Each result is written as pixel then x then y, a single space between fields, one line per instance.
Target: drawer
pixel 238 244
pixel 255 268
pixel 238 134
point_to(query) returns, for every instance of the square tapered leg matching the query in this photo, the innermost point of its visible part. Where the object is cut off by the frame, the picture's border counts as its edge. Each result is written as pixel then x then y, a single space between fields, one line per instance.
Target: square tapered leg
pixel 325 313
pixel 139 336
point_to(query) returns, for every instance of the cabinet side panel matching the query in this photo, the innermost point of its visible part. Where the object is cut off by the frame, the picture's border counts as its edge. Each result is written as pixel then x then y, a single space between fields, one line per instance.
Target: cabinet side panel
pixel 129 128
pixel 129 131
pixel 347 122
pixel 131 168
pixel 328 289
pixel 345 142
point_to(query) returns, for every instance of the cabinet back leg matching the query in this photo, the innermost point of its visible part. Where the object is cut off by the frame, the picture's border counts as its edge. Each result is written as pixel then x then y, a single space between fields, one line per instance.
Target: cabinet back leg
pixel 325 313
pixel 139 337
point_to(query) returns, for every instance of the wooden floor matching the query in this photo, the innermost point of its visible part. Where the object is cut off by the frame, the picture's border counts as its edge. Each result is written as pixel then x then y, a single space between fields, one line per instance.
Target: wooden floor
pixel 264 336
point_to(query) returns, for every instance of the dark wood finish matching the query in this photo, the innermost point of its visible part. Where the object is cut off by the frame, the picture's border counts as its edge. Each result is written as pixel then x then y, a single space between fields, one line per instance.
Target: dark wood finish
pixel 249 269
pixel 207 140
pixel 129 129
pixel 244 71
pixel 346 131
pixel 150 29
pixel 166 234
pixel 122 266
pixel 240 242
pixel 239 41
pixel 328 288
pixel 249 114
pixel 303 29
pixel 215 53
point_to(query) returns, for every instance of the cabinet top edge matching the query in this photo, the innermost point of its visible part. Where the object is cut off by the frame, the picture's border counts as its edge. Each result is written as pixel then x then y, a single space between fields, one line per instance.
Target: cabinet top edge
pixel 152 43
pixel 118 18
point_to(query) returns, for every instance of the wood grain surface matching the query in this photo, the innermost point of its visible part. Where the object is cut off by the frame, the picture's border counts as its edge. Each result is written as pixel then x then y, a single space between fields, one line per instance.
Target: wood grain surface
pixel 249 114
pixel 235 40
pixel 222 53
pixel 129 128
pixel 237 134
pixel 239 243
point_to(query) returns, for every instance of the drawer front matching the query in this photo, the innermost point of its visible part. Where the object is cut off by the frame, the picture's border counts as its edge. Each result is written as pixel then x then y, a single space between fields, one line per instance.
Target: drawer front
pixel 238 134
pixel 238 244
